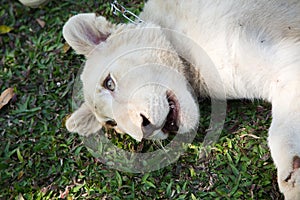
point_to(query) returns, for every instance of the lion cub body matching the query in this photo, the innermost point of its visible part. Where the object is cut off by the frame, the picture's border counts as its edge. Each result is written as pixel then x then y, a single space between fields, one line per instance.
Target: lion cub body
pixel 253 49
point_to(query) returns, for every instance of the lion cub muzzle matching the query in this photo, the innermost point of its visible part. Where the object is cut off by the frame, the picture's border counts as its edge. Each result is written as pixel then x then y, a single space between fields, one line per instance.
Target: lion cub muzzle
pixel 171 124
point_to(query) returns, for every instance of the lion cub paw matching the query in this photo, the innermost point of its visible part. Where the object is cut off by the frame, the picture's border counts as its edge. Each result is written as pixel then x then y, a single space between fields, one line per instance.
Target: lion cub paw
pixel 290 185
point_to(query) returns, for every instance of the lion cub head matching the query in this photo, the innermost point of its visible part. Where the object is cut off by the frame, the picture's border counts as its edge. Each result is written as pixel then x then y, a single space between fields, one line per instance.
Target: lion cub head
pixel 133 80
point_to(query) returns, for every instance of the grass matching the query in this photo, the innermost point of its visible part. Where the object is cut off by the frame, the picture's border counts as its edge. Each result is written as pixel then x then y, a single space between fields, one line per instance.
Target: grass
pixel 39 159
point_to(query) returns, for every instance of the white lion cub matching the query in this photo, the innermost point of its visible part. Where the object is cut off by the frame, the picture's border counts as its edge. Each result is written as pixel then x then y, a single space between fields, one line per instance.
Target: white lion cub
pixel 134 77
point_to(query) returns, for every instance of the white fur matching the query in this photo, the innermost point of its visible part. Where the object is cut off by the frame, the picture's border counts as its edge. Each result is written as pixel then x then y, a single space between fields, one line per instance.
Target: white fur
pixel 254 45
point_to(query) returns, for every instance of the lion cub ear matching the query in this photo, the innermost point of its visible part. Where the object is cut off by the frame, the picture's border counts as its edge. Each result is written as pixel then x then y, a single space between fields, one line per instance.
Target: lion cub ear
pixel 83 32
pixel 83 122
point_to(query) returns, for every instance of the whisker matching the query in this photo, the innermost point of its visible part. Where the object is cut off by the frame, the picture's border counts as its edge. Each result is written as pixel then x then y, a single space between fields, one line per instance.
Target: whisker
pixel 154 143
pixel 160 144
pixel 157 144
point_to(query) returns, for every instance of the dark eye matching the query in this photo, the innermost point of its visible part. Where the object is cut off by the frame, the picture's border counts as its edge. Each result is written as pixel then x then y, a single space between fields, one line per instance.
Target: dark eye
pixel 109 83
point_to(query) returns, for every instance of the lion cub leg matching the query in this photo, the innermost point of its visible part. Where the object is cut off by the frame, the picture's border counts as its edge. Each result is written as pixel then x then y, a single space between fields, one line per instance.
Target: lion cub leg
pixel 284 143
pixel 284 138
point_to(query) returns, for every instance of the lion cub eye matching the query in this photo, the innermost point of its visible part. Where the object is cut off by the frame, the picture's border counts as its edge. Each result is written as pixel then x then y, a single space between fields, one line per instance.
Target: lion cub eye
pixel 109 83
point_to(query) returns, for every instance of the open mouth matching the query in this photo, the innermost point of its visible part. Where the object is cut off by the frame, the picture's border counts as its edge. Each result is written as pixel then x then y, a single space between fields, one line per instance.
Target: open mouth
pixel 172 123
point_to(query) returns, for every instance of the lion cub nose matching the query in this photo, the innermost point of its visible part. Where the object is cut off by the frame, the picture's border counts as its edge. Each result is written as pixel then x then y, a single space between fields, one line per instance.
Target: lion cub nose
pixel 147 127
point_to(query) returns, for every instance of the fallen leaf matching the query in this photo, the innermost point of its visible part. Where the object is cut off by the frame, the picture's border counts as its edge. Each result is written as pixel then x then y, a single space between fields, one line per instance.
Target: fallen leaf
pixel 65 194
pixel 5 29
pixel 64 120
pixel 66 48
pixel 20 197
pixel 42 23
pixel 6 96
pixel 20 175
